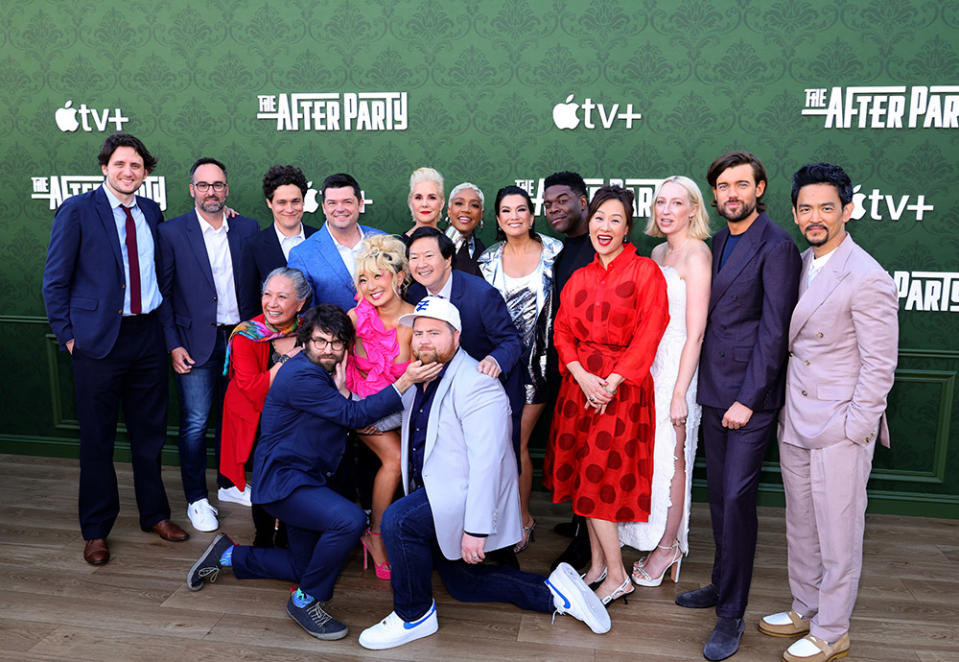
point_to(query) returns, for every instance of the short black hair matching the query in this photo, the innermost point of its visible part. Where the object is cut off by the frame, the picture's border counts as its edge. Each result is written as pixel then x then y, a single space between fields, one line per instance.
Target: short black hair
pixel 567 178
pixel 613 192
pixel 447 248
pixel 204 161
pixel 342 180
pixel 512 189
pixel 731 160
pixel 823 173
pixel 281 175
pixel 126 140
pixel 328 318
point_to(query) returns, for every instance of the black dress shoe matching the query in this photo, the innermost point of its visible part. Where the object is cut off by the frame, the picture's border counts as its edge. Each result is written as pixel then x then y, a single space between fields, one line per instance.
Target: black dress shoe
pixel 701 598
pixel 577 554
pixel 724 641
pixel 503 557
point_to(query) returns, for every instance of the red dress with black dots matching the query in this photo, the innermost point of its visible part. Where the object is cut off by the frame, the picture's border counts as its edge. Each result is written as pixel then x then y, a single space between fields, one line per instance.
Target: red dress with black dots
pixel 610 319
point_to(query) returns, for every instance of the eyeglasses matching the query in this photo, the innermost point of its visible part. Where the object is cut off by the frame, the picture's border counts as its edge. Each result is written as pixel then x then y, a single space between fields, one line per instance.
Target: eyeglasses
pixel 323 343
pixel 203 187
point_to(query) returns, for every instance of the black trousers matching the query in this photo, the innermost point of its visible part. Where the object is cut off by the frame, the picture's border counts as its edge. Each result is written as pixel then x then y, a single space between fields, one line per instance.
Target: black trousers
pixel 134 373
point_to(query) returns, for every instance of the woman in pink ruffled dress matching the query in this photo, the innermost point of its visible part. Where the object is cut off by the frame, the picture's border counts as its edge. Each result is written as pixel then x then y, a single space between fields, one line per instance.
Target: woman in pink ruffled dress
pixel 379 357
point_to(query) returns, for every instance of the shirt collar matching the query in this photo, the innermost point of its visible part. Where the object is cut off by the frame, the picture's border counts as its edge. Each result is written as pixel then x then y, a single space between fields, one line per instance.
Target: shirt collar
pixel 447 290
pixel 344 246
pixel 206 227
pixel 114 200
pixel 301 234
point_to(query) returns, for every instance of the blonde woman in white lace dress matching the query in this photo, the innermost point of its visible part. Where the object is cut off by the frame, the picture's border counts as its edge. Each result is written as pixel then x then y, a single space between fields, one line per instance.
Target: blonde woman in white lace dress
pixel 679 216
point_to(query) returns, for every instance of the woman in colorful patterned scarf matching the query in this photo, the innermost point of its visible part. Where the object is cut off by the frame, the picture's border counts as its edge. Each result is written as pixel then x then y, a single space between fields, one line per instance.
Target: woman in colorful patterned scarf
pixel 258 349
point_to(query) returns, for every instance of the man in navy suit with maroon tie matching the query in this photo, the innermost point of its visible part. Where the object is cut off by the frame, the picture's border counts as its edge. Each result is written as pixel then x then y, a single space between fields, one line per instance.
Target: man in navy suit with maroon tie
pixel 741 380
pixel 104 305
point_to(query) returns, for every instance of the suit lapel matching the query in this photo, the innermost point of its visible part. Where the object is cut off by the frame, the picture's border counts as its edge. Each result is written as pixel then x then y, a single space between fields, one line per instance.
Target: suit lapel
pixel 194 239
pixel 271 244
pixel 331 255
pixel 235 241
pixel 102 205
pixel 407 399
pixel 749 243
pixel 441 390
pixel 822 286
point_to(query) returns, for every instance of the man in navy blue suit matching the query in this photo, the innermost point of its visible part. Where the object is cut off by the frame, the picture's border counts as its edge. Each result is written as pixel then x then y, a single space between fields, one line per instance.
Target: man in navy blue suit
pixel 303 431
pixel 104 305
pixel 285 188
pixel 755 284
pixel 489 335
pixel 328 258
pixel 199 263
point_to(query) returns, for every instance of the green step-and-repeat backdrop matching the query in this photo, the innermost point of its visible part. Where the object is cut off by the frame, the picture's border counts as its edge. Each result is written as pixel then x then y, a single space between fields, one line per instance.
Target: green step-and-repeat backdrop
pixel 498 92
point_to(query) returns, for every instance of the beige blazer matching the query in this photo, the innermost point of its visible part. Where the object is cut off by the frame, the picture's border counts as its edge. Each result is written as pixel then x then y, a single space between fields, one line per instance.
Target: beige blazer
pixel 843 348
pixel 469 466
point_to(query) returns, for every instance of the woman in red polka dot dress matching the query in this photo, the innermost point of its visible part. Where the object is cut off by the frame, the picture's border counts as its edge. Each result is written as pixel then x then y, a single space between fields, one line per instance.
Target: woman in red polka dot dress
pixel 611 317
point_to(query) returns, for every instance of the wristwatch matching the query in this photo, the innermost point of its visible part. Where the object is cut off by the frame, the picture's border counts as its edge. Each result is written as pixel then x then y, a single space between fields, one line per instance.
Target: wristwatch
pixel 283 358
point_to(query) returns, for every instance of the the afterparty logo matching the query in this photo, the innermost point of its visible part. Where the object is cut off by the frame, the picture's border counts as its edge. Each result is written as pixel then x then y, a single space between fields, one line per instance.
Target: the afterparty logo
pixel 928 291
pixel 643 190
pixel 57 188
pixel 885 106
pixel 565 115
pixel 333 111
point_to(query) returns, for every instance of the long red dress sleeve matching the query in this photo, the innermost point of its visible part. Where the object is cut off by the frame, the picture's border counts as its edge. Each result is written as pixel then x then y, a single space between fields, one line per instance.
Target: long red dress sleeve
pixel 611 320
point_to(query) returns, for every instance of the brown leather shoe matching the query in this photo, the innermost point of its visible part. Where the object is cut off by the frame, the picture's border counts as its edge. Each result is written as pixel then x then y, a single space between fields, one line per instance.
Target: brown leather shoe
pixel 169 531
pixel 96 552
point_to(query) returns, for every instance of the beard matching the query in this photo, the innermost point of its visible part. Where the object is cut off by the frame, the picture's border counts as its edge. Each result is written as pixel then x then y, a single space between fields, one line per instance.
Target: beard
pixel 326 361
pixel 816 242
pixel 744 211
pixel 212 205
pixel 430 355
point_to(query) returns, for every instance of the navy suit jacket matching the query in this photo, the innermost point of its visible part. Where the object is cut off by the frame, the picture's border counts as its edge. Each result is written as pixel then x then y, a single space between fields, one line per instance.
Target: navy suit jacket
pixel 304 427
pixel 750 305
pixel 488 330
pixel 186 281
pixel 320 262
pixel 84 280
pixel 261 255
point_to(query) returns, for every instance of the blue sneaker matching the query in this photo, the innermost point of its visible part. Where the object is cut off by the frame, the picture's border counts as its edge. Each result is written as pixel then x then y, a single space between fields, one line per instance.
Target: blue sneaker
pixel 313 618
pixel 393 631
pixel 207 567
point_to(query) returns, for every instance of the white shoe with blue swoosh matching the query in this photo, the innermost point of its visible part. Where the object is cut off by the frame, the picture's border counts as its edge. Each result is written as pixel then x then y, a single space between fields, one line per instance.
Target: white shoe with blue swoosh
pixel 572 596
pixel 393 631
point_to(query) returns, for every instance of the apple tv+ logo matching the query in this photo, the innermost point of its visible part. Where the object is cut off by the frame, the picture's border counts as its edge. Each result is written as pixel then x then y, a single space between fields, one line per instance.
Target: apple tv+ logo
pixel 565 114
pixel 67 121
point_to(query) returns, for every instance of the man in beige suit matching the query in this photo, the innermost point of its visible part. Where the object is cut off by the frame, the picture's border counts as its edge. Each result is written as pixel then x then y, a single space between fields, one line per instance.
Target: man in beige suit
pixel 843 343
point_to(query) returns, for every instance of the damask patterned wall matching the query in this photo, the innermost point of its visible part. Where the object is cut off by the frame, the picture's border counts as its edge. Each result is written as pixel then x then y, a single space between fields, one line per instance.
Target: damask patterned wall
pixel 471 88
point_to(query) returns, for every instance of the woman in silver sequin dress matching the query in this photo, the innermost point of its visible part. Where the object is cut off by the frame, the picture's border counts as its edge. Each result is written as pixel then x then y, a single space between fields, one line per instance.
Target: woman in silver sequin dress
pixel 520 266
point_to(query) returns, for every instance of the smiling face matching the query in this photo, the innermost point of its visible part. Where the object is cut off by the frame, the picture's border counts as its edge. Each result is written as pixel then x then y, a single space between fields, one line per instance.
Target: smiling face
pixel 426 202
pixel 466 211
pixel 379 288
pixel 287 207
pixel 607 230
pixel 124 172
pixel 211 201
pixel 514 216
pixel 341 207
pixel 427 265
pixel 433 340
pixel 821 217
pixel 565 210
pixel 673 209
pixel 279 301
pixel 736 193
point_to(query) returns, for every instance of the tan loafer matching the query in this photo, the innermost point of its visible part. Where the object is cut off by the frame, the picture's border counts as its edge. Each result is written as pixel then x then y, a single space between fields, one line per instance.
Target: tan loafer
pixel 813 649
pixel 784 624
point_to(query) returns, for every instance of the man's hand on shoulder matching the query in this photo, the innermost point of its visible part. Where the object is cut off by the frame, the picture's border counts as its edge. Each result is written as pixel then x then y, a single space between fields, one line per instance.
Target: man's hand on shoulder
pixel 489 366
pixel 737 416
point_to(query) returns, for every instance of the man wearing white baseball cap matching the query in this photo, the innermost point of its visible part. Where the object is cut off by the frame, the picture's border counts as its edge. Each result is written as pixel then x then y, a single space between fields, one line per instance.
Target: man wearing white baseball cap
pixel 462 498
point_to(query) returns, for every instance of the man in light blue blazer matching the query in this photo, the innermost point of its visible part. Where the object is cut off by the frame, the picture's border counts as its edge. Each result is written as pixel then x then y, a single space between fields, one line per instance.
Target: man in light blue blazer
pixel 328 257
pixel 462 496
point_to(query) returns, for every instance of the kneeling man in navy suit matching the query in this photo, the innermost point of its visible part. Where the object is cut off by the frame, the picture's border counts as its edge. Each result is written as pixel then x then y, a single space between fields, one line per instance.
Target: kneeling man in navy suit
pixel 462 496
pixel 843 346
pixel 303 432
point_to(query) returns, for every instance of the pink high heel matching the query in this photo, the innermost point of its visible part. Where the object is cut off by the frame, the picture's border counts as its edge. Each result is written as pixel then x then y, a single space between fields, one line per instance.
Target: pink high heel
pixel 382 569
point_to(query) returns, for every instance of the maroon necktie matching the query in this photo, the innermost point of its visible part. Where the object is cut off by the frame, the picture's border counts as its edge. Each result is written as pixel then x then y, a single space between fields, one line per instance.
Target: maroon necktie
pixel 134 259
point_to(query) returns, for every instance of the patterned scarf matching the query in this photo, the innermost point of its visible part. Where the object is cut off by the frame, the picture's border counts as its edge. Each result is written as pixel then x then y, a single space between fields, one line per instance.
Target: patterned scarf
pixel 259 332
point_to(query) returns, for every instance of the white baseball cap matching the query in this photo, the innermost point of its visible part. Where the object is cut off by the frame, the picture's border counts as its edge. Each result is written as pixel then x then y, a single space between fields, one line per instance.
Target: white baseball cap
pixel 437 308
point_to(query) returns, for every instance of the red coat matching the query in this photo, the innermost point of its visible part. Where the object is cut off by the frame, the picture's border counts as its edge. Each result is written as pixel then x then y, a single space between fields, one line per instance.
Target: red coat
pixel 242 404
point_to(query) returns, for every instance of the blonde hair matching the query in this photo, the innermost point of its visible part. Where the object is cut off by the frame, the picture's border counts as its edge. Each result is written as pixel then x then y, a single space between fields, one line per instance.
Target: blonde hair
pixel 698 225
pixel 382 253
pixel 426 175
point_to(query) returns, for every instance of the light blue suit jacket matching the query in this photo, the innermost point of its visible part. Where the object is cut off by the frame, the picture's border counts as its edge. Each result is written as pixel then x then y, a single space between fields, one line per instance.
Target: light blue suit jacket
pixel 323 267
pixel 469 468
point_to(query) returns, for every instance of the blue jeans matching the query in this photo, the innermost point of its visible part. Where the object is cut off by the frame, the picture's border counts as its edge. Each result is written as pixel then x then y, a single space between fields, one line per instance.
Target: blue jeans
pixel 323 528
pixel 410 539
pixel 200 392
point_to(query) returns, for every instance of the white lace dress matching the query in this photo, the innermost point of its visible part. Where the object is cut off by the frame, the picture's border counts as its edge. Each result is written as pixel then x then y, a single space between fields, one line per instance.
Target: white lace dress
pixel 665 369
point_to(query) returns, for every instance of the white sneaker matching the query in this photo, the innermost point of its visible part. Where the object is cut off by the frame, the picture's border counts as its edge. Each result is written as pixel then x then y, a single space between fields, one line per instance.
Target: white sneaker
pixel 233 495
pixel 393 631
pixel 203 516
pixel 572 596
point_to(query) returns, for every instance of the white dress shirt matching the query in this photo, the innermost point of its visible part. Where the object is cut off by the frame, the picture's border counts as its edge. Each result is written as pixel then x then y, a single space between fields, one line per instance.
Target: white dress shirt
pixel 347 254
pixel 221 263
pixel 288 242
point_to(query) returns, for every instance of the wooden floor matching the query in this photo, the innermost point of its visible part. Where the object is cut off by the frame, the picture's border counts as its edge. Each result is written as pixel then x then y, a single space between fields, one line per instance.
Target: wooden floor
pixel 53 606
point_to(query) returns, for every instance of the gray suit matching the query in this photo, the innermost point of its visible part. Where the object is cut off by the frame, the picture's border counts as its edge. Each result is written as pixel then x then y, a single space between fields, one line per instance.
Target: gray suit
pixel 469 469
pixel 843 345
